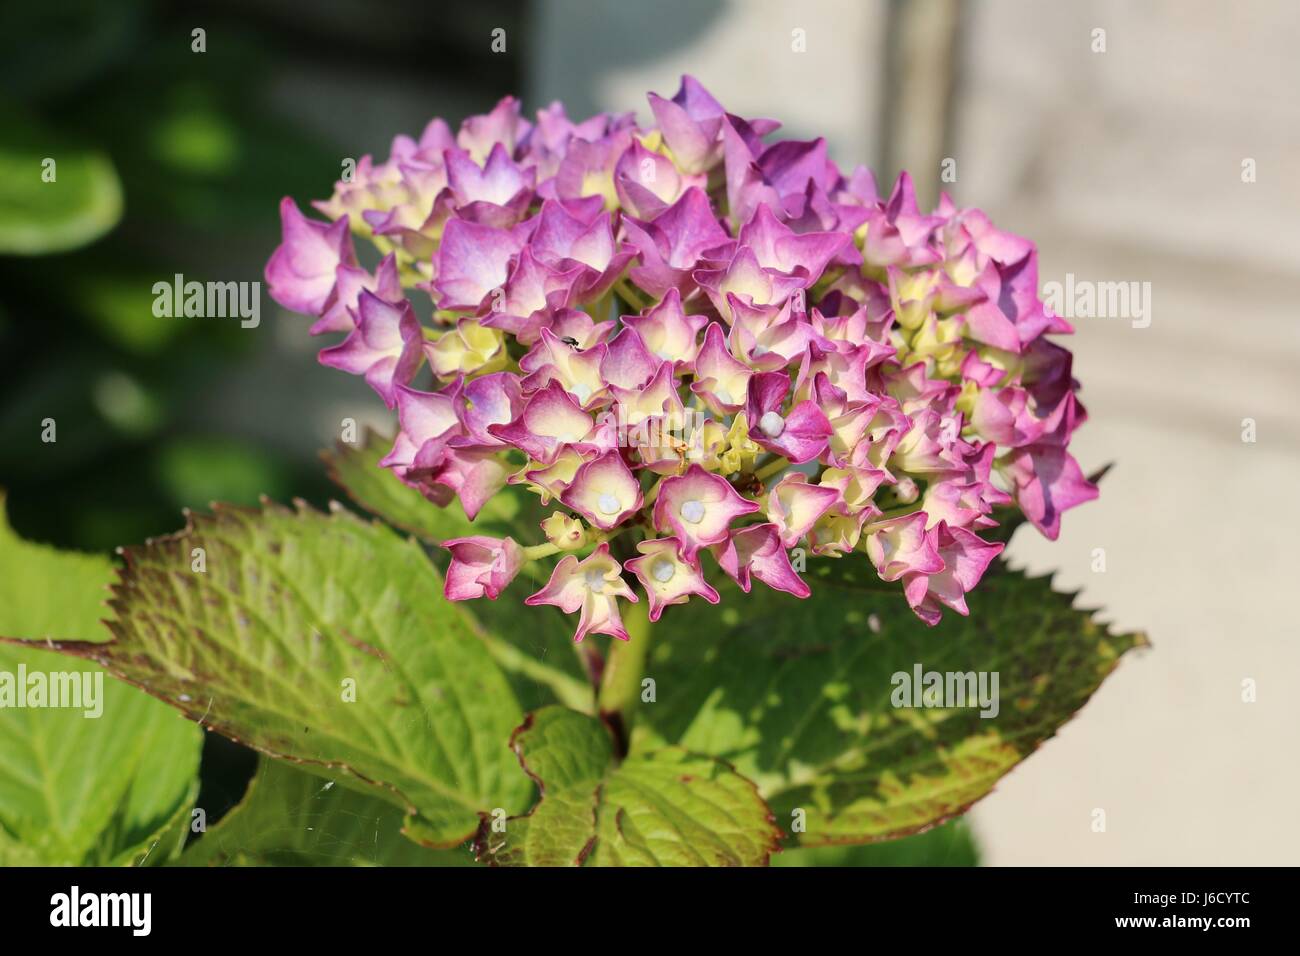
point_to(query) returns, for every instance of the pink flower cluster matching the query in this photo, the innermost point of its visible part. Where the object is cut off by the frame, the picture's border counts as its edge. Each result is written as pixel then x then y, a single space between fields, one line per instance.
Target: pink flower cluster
pixel 699 339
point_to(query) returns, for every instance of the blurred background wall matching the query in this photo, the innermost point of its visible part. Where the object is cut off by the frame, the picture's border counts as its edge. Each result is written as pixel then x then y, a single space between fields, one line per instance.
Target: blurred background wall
pixel 1162 149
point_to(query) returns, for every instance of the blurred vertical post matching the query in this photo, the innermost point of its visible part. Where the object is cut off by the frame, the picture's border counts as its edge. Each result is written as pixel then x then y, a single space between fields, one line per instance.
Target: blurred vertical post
pixel 921 70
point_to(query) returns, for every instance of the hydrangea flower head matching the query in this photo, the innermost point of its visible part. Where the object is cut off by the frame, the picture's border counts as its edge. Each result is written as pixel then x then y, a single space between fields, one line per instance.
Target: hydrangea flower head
pixel 714 351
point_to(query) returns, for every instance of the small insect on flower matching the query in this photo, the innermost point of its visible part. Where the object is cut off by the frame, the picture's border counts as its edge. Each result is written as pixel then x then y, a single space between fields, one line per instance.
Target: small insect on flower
pixel 861 379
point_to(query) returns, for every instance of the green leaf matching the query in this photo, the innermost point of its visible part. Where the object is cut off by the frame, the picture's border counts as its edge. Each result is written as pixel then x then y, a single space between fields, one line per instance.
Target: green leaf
pixel 289 817
pixel 325 639
pixel 797 695
pixel 77 790
pixel 533 645
pixel 665 807
pixel 81 202
pixel 951 844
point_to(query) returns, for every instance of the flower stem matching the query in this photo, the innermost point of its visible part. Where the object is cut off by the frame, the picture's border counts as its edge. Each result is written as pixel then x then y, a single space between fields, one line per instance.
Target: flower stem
pixel 624 290
pixel 544 550
pixel 652 494
pixel 620 688
pixel 594 663
pixel 771 468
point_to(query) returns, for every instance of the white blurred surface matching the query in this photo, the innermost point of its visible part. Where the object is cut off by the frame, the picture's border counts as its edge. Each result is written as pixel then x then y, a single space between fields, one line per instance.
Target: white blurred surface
pixel 1123 166
pixel 1126 165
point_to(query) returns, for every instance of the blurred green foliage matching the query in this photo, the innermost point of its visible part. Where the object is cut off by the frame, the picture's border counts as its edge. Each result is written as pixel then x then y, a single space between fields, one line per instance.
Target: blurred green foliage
pixel 125 107
pixel 173 161
pixel 54 194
